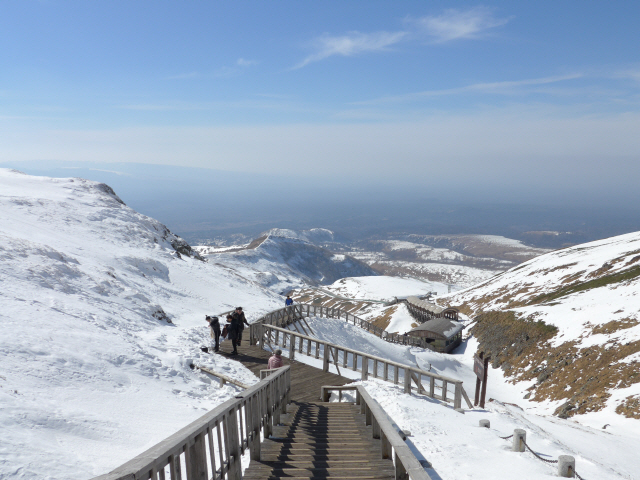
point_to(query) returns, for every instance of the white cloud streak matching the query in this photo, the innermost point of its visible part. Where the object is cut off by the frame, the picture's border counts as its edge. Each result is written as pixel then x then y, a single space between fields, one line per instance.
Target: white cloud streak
pixel 351 44
pixel 451 25
pixel 511 87
pixel 455 24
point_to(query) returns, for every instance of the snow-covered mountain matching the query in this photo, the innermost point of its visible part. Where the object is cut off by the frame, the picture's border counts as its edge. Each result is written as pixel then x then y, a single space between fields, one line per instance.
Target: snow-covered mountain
pixel 566 325
pixel 283 259
pixel 101 312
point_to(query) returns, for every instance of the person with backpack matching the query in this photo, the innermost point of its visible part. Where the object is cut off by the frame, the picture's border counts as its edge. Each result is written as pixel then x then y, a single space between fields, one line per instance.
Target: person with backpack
pixel 241 321
pixel 214 323
pixel 288 301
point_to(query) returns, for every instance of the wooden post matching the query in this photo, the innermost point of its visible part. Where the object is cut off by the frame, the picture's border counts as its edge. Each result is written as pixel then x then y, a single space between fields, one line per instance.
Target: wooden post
pixel 385 446
pixel 483 394
pixel 478 385
pixel 457 397
pixel 235 469
pixel 401 473
pixel 407 381
pixel 375 428
pixel 255 429
pixel 196 459
pixel 261 330
pixel 365 367
pixel 292 346
pixel 325 358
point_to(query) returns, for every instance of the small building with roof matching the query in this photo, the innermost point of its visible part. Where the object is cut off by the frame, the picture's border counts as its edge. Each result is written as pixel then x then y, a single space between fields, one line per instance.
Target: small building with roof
pixel 442 334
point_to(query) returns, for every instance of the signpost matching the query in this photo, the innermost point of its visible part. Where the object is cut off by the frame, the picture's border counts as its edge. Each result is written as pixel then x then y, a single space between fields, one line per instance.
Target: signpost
pixel 480 368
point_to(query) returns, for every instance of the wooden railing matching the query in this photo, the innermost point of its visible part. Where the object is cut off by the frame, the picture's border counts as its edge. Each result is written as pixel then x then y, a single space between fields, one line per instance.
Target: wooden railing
pixel 392 440
pixel 434 385
pixel 210 447
pixel 287 315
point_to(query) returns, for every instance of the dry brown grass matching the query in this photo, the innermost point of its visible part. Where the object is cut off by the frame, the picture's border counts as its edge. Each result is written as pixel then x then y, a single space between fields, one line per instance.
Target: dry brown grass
pixel 581 377
pixel 615 325
pixel 383 320
pixel 630 408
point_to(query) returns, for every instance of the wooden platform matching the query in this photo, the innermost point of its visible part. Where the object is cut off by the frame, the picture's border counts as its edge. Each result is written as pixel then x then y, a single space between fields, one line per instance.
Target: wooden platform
pixel 321 441
pixel 305 380
pixel 315 440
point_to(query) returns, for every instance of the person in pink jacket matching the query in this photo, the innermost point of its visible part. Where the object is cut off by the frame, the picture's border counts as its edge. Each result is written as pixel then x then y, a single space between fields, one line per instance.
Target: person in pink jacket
pixel 275 361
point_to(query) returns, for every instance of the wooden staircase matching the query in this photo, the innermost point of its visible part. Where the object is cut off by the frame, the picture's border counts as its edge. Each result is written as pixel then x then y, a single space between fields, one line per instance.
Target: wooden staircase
pixel 319 440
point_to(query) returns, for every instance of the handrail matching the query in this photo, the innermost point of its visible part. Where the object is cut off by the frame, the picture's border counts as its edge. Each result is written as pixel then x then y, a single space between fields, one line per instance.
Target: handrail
pixel 224 378
pixel 382 427
pixel 350 357
pixel 287 315
pixel 225 432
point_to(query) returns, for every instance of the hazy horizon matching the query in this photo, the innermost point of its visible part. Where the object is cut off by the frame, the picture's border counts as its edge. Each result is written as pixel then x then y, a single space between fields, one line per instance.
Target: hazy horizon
pixel 200 204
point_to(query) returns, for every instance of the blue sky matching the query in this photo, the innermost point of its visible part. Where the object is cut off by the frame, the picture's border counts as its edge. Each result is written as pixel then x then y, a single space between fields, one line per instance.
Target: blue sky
pixel 543 93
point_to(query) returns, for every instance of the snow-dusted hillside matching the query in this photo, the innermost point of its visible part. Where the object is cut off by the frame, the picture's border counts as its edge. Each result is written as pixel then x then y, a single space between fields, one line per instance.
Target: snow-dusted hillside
pixel 453 446
pixel 284 259
pixel 567 325
pixel 88 355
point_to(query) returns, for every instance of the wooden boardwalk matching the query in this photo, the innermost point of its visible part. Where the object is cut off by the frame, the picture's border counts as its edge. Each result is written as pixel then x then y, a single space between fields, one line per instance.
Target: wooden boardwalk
pixel 315 440
pixel 305 380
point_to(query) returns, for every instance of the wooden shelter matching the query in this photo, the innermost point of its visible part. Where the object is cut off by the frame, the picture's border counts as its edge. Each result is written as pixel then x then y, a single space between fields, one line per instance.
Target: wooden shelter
pixel 442 333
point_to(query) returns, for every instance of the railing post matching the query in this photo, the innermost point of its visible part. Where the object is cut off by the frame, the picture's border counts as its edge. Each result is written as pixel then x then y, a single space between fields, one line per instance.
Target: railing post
pixel 292 346
pixel 457 398
pixel 255 429
pixel 385 446
pixel 235 469
pixel 401 473
pixel 262 330
pixel 197 460
pixel 407 381
pixel 375 427
pixel 365 367
pixel 325 358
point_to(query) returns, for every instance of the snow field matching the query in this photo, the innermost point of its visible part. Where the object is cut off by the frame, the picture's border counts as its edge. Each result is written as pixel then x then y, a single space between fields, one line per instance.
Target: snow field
pixel 90 377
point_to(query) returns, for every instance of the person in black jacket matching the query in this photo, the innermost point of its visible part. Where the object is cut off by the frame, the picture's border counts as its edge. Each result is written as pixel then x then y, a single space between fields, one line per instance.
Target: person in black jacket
pixel 233 331
pixel 242 321
pixel 214 323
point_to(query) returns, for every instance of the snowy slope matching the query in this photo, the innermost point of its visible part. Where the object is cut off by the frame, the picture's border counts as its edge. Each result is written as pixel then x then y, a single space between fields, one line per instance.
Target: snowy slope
pixel 87 352
pixel 283 259
pixel 384 287
pixel 587 356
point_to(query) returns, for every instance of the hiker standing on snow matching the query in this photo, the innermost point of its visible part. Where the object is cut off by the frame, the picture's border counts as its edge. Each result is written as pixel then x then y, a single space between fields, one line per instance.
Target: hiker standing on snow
pixel 233 327
pixel 242 321
pixel 288 301
pixel 275 361
pixel 214 323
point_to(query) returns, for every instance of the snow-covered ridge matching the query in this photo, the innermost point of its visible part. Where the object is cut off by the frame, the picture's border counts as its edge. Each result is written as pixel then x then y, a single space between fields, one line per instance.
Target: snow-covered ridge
pixel 284 259
pixel 313 235
pixel 88 287
pixel 589 294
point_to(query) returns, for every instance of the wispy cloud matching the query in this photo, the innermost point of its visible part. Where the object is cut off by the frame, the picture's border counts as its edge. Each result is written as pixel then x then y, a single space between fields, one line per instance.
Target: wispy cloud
pixel 452 24
pixel 222 72
pixel 243 62
pixel 353 43
pixel 498 88
pixel 455 24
